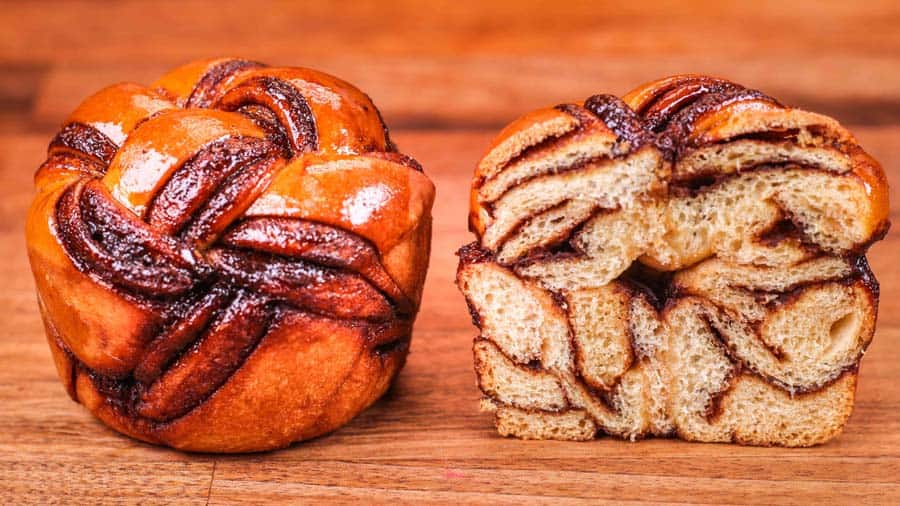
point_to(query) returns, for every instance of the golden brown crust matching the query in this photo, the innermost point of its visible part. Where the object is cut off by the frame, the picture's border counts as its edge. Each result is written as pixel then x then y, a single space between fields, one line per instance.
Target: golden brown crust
pixel 529 130
pixel 526 131
pixel 875 181
pixel 230 260
pixel 683 86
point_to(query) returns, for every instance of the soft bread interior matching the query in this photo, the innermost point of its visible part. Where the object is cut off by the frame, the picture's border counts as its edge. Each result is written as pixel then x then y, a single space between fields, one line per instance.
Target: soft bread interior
pixel 573 425
pixel 607 184
pixel 731 219
pixel 520 318
pixel 513 384
pixel 605 246
pixel 709 284
pixel 736 156
pixel 693 368
pixel 573 150
pixel 713 401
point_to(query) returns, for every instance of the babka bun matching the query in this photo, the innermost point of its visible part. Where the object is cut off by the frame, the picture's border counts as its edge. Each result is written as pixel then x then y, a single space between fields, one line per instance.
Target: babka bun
pixel 688 260
pixel 229 259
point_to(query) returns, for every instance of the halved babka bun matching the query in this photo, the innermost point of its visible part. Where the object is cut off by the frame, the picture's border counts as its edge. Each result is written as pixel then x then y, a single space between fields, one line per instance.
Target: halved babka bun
pixel 687 261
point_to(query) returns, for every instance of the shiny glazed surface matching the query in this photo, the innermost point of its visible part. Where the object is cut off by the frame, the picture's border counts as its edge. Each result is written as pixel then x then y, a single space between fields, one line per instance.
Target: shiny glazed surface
pixel 230 259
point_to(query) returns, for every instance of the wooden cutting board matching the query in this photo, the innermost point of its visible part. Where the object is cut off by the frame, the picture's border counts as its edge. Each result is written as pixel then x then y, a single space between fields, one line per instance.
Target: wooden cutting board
pixel 447 78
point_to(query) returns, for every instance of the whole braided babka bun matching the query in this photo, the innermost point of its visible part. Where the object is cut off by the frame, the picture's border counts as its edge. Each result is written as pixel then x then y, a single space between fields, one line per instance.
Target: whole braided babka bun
pixel 686 261
pixel 231 259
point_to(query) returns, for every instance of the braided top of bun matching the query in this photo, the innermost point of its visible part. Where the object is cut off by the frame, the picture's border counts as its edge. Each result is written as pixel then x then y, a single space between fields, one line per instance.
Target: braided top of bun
pixel 215 251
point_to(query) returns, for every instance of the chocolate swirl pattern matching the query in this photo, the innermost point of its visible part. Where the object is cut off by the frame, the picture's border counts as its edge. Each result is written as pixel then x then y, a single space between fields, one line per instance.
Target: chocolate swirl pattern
pixel 688 260
pixel 231 259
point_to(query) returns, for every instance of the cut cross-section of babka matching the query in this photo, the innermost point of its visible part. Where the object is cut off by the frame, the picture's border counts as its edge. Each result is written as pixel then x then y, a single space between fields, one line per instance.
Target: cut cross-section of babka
pixel 688 260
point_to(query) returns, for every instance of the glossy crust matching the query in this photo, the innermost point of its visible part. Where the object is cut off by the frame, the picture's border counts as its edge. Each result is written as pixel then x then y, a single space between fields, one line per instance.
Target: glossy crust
pixel 231 259
pixel 608 301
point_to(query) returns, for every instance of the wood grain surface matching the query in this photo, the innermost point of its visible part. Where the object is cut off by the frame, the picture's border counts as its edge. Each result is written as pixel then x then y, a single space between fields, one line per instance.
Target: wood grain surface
pixel 447 75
